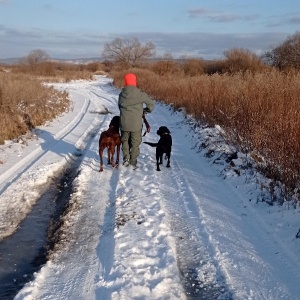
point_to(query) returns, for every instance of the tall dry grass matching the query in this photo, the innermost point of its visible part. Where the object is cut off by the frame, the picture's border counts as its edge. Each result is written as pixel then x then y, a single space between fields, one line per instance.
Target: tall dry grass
pixel 260 112
pixel 25 103
pixel 59 71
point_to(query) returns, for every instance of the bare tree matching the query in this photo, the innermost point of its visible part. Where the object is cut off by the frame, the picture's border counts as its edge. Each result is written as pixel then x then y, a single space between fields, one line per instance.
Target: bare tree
pixel 285 55
pixel 35 57
pixel 128 51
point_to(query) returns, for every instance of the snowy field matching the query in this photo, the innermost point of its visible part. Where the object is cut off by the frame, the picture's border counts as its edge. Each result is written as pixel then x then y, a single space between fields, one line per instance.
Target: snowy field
pixel 197 230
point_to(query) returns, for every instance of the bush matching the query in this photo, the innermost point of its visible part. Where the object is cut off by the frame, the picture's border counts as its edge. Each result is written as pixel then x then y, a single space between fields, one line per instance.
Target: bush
pixel 193 67
pixel 242 60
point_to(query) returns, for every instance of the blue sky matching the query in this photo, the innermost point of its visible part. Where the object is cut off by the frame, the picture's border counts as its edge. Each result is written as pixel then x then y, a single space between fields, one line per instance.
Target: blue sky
pixel 192 28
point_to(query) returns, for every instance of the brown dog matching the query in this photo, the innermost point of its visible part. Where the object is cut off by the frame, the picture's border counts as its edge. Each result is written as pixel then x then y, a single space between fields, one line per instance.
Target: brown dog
pixel 110 139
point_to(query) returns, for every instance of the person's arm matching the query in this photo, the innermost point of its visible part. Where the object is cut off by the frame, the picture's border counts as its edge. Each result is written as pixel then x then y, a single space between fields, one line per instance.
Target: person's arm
pixel 149 102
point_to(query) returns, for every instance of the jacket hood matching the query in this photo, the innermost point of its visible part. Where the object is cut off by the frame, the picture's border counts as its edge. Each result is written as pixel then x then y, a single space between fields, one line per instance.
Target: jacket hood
pixel 130 92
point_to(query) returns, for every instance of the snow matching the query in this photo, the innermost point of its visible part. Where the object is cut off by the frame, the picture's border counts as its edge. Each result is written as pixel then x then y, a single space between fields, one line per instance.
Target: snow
pixel 196 230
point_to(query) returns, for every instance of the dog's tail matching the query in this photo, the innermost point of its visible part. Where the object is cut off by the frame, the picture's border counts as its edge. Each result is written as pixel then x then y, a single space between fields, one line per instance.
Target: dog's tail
pixel 151 144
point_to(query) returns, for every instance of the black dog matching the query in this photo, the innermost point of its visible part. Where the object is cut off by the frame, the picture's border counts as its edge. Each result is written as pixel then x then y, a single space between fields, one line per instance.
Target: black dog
pixel 164 145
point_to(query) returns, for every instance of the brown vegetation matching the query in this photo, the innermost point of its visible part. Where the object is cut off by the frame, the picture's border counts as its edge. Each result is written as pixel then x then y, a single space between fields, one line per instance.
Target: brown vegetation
pixel 59 71
pixel 25 102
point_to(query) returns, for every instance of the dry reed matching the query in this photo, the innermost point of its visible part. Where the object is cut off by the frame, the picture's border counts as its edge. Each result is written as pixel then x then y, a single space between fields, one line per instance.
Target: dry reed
pixel 25 103
pixel 59 71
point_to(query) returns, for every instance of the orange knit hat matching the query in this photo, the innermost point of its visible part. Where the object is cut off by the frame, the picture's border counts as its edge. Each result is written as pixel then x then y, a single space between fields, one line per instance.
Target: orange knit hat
pixel 130 79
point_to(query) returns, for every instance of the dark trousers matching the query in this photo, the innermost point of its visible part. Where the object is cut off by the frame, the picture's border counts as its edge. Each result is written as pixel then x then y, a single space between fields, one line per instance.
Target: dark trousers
pixel 131 145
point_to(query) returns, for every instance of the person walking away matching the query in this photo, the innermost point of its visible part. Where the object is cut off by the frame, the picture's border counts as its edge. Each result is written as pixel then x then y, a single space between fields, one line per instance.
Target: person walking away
pixel 132 104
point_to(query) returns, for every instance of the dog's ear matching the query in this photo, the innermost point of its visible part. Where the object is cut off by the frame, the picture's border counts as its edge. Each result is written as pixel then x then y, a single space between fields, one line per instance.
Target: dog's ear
pixel 160 130
pixel 164 129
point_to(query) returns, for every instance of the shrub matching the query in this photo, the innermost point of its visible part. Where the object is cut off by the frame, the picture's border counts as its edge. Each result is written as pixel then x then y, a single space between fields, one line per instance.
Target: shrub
pixel 242 60
pixel 193 67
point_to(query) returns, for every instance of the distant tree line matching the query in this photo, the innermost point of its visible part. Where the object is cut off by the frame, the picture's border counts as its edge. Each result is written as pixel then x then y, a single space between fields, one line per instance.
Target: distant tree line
pixel 130 52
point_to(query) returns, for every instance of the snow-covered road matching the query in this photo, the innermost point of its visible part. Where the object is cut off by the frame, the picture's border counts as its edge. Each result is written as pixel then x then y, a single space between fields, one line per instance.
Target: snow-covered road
pixel 192 231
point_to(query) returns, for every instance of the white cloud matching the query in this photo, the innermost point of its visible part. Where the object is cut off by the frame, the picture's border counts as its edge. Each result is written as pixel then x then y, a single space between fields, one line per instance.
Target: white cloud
pixel 199 12
pixel 221 17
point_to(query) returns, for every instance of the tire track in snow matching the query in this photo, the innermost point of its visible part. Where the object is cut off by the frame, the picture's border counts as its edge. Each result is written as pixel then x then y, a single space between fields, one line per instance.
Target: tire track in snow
pixel 56 144
pixel 268 261
pixel 19 168
pixel 200 273
pixel 93 243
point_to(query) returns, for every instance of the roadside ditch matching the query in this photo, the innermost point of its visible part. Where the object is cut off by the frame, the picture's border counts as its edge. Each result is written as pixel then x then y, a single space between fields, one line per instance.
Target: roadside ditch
pixel 25 252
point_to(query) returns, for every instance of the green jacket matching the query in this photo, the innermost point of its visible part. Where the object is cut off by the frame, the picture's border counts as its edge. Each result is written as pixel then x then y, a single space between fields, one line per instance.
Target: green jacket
pixel 131 104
